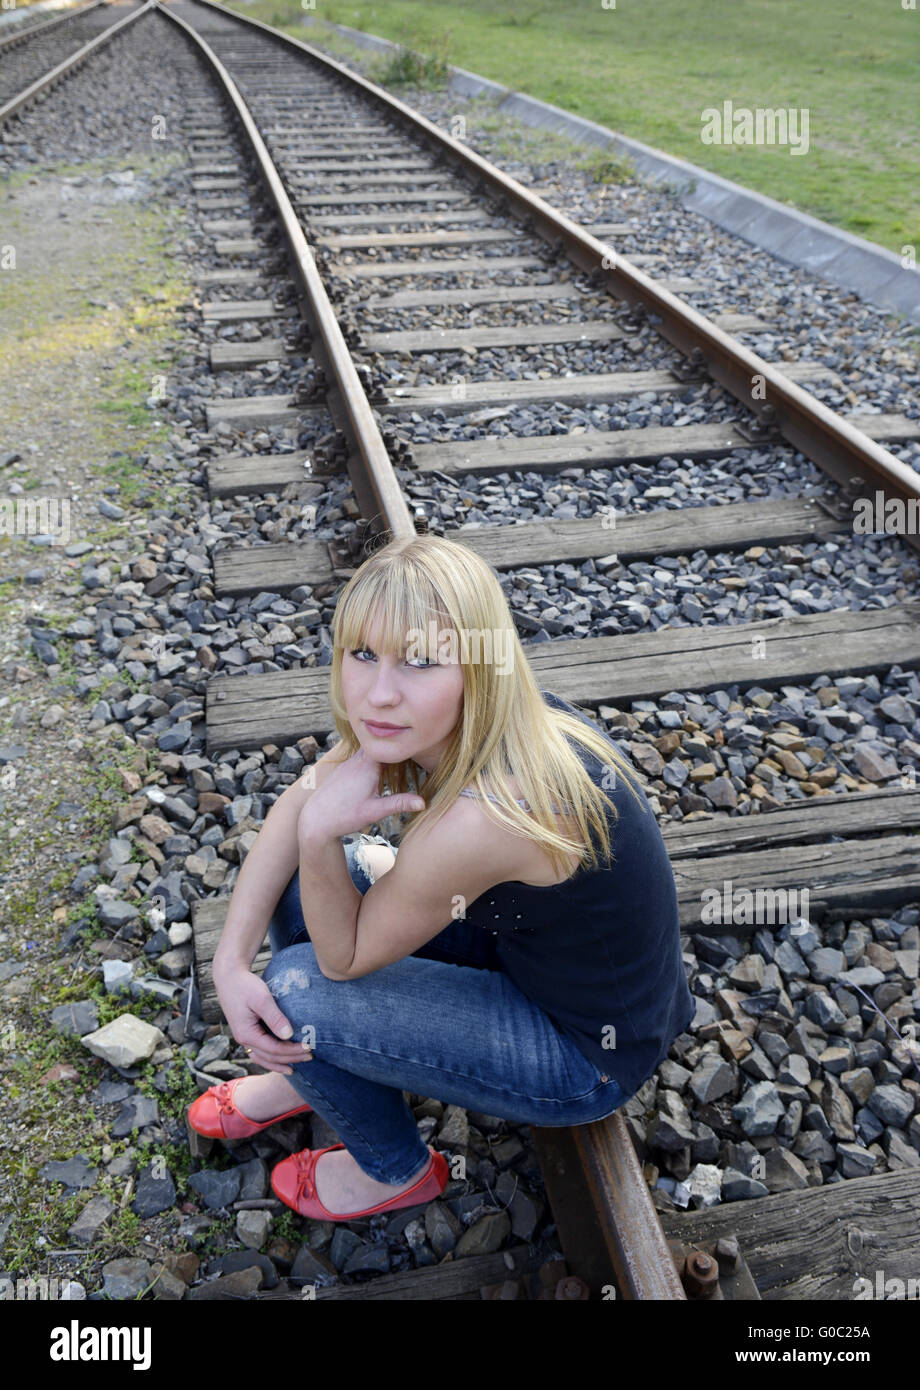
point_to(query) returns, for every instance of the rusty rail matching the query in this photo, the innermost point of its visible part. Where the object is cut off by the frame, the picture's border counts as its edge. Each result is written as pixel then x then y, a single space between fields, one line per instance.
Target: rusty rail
pixel 370 469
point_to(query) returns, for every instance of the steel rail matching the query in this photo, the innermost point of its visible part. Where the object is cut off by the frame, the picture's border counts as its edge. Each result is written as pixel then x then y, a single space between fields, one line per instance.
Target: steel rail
pixel 635 1239
pixel 842 451
pixel 375 484
pixel 22 34
pixel 631 1229
pixel 42 84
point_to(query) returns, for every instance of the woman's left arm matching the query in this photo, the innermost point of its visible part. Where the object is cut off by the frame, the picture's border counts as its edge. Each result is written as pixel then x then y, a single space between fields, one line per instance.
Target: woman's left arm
pixel 330 902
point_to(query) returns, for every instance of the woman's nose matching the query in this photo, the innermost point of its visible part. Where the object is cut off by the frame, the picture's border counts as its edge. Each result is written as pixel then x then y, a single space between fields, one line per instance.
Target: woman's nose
pixel 383 686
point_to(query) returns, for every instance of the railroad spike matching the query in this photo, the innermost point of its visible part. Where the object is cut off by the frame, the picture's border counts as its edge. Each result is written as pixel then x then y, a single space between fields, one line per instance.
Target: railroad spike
pixel 693 366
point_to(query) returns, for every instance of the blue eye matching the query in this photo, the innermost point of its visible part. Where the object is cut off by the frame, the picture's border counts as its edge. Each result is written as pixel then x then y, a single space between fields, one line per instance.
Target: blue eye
pixel 356 652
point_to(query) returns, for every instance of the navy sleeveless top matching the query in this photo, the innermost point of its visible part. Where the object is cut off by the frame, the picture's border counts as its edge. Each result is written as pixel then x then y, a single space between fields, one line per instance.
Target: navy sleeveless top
pixel 600 953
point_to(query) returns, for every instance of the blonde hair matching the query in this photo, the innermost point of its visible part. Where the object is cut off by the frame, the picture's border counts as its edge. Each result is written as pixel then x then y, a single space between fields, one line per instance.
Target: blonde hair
pixel 426 582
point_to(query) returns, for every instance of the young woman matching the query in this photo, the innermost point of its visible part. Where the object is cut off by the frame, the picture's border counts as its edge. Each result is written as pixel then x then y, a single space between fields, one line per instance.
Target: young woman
pixel 519 955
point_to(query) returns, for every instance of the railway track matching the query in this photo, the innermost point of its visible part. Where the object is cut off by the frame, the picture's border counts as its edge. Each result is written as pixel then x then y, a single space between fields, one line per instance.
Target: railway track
pixel 33 59
pixel 402 208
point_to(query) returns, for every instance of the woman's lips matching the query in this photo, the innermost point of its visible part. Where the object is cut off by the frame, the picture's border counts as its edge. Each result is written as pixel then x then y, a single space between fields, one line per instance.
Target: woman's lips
pixel 382 731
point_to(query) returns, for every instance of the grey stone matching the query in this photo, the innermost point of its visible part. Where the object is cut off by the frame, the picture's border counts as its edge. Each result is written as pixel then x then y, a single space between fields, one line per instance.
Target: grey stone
pixel 92 1218
pixel 111 1092
pixel 854 1160
pixel 344 1244
pixel 485 1236
pixel 721 792
pixel 757 1064
pixel 813 1147
pixel 873 766
pixel 117 852
pixel 441 1227
pixel 75 1020
pixel 859 1083
pixel 790 961
pixel 837 1059
pixel 236 1260
pixel 866 976
pixel 114 913
pixel 673 1076
pixel 784 1171
pixel 900 1153
pixel 825 1011
pixel 155 1191
pixel 738 1187
pixel 137 1112
pixel 73 1172
pixel 368 1259
pixel 175 964
pixel 869 1125
pixel 253 1227
pixel 670 1128
pixel 826 964
pixel 217 1188
pixel 713 1077
pixel 117 975
pixel 171 740
pixel 215 1049
pixel 794 1071
pixel 254 1179
pixel 760 1109
pixel 310 1267
pixel 892 1104
pixel 243 1283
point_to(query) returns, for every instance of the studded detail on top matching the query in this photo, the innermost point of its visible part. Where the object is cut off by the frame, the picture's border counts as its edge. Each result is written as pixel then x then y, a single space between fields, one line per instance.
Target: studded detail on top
pixel 497 916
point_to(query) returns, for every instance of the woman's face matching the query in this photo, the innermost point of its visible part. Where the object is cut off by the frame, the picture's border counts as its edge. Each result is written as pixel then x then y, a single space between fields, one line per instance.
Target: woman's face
pixel 421 695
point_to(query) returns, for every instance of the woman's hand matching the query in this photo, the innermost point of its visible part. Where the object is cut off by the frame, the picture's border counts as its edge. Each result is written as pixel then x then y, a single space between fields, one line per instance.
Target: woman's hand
pixel 248 1004
pixel 347 802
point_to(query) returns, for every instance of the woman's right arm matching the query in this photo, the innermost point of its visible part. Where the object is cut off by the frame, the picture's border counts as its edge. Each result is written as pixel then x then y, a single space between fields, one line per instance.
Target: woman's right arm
pixel 246 1001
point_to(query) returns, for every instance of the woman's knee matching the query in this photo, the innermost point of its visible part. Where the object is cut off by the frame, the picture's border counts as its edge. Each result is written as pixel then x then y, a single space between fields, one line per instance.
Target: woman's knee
pixel 292 970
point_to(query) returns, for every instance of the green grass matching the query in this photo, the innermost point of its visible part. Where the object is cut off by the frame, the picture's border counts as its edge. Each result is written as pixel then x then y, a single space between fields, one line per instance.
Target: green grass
pixel 649 71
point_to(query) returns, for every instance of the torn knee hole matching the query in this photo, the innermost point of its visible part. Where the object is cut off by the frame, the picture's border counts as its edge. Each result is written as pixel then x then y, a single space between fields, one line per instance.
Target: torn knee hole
pixel 289 979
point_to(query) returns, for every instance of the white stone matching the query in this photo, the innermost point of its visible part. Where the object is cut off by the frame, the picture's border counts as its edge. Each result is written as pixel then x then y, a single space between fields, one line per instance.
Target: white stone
pixel 704 1184
pixel 117 975
pixel 253 1227
pixel 124 1042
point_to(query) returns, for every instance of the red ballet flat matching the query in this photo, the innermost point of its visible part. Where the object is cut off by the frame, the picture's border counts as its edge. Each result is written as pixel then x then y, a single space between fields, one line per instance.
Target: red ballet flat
pixel 214 1114
pixel 293 1180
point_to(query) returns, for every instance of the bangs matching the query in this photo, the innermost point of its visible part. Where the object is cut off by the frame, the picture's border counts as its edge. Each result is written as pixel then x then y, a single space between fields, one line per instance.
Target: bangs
pixel 390 612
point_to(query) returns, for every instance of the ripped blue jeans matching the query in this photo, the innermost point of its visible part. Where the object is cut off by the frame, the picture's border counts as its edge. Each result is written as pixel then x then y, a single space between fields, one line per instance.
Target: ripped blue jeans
pixel 445 1022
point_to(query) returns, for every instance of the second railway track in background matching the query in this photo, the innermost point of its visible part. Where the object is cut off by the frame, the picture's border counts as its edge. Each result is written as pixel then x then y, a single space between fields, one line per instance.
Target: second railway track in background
pixel 35 57
pixel 388 216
